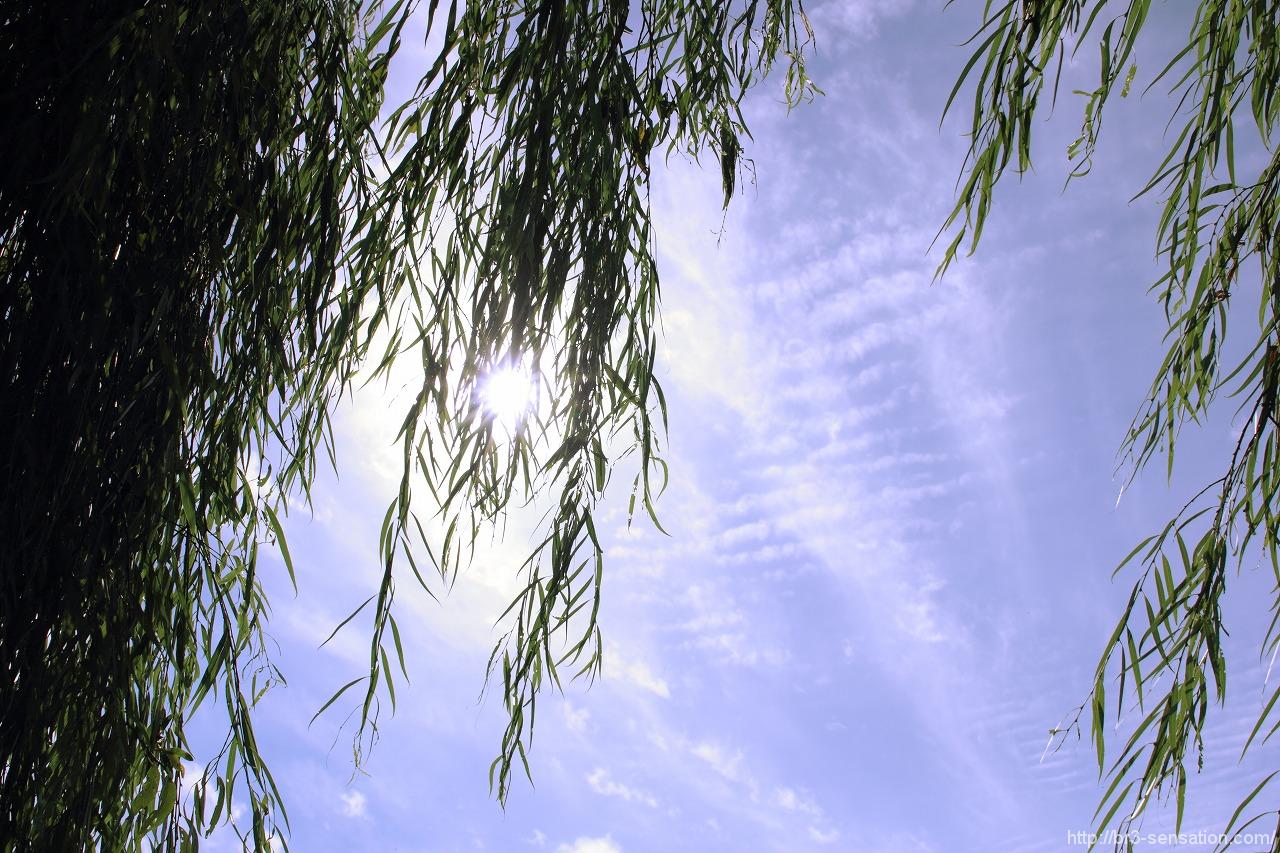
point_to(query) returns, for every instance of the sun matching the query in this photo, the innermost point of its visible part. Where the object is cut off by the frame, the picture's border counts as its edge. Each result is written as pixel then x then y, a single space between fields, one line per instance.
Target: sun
pixel 507 395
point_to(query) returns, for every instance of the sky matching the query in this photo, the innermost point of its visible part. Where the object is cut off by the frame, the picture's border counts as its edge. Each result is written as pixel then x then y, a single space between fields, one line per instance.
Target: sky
pixel 892 520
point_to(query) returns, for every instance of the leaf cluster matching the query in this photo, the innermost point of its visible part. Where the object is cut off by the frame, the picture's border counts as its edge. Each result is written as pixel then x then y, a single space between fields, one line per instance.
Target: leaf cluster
pixel 1216 240
pixel 209 226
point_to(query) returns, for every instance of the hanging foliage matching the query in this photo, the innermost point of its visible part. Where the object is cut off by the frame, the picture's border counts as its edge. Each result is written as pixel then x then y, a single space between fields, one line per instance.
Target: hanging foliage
pixel 1217 240
pixel 207 218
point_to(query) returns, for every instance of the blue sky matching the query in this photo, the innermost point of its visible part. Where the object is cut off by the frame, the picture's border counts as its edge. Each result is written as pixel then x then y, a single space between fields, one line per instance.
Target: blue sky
pixel 893 516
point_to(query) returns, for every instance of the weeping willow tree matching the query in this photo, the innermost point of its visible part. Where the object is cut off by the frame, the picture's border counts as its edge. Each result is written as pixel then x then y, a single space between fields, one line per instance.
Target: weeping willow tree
pixel 209 223
pixel 1216 239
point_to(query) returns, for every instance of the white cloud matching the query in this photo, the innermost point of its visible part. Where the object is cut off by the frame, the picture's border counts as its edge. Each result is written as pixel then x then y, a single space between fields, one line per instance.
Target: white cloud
pixel 575 719
pixel 637 673
pixel 793 801
pixel 192 775
pixel 727 765
pixel 752 532
pixel 740 649
pixel 353 804
pixel 590 845
pixel 537 839
pixel 855 18
pixel 717 626
pixel 818 836
pixel 600 782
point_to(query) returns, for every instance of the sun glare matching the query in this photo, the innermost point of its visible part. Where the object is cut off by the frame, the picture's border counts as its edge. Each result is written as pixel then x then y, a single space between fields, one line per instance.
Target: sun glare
pixel 507 395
